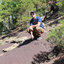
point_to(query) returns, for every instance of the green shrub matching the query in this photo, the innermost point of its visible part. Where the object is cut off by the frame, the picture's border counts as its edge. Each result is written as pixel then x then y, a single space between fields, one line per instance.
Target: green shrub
pixel 56 36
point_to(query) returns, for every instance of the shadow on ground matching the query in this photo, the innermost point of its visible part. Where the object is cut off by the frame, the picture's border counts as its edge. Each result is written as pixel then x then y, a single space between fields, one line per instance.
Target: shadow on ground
pixel 9 35
pixel 45 56
pixel 56 22
pixel 26 42
pixel 40 58
pixel 59 61
pixel 12 34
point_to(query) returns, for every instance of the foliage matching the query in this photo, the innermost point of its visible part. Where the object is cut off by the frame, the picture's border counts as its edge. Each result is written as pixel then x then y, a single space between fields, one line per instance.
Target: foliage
pixel 57 35
pixel 14 12
pixel 60 3
pixel 40 6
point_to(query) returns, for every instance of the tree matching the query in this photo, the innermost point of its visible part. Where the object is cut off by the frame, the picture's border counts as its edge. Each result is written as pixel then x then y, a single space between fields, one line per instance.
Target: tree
pixel 60 3
pixel 11 10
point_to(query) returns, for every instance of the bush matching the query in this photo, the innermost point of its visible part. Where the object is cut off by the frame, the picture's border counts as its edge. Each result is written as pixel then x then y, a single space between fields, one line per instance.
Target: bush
pixel 56 36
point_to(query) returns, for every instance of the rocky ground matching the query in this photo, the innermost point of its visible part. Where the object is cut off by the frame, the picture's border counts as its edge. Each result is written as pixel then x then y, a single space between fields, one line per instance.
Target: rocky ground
pixel 18 48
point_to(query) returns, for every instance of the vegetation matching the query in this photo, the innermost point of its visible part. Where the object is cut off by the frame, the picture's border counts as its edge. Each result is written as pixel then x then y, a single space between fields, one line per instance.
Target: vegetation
pixel 56 36
pixel 60 3
pixel 15 12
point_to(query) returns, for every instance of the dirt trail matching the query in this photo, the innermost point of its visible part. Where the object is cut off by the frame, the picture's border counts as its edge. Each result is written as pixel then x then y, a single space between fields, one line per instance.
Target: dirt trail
pixel 26 52
pixel 18 50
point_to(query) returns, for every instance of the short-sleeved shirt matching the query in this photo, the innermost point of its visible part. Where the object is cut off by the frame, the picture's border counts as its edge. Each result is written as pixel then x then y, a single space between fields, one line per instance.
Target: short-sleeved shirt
pixel 35 21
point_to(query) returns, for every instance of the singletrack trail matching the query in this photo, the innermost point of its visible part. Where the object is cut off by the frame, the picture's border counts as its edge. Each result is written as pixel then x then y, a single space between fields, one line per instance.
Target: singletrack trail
pixel 23 53
pixel 18 48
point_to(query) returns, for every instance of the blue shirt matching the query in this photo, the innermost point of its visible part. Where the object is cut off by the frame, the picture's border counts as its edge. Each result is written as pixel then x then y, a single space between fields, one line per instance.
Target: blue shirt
pixel 35 21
